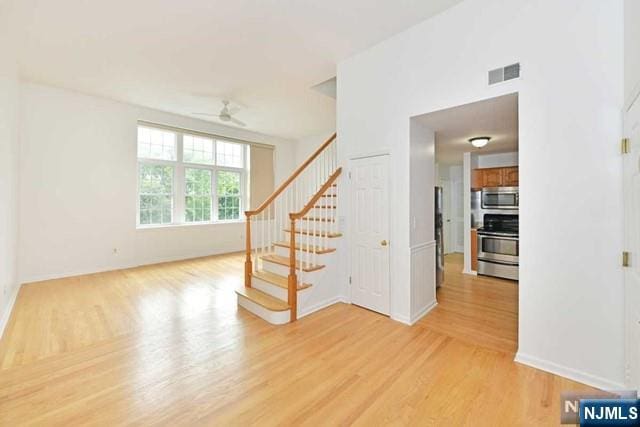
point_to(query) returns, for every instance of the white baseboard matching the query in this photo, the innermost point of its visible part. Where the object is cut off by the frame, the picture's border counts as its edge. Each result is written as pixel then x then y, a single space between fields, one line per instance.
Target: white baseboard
pixel 423 312
pixel 412 320
pixel 470 272
pixel 123 266
pixel 570 373
pixel 4 320
pixel 401 318
pixel 319 306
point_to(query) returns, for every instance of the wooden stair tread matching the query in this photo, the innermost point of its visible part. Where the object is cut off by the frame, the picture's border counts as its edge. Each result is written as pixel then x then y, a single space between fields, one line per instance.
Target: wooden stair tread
pixel 263 299
pixel 304 248
pixel 316 233
pixel 277 280
pixel 277 259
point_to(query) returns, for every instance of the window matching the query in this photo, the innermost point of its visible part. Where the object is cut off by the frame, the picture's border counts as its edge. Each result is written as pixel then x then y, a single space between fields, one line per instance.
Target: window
pixel 156 194
pixel 228 195
pixel 229 154
pixel 189 178
pixel 156 144
pixel 197 195
pixel 198 150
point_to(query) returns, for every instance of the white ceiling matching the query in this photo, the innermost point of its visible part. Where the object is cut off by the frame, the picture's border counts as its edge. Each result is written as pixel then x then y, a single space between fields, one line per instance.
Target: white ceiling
pixel 495 117
pixel 185 56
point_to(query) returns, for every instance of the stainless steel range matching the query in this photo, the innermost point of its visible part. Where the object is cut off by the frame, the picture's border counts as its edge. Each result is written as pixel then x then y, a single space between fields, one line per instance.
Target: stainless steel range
pixel 498 248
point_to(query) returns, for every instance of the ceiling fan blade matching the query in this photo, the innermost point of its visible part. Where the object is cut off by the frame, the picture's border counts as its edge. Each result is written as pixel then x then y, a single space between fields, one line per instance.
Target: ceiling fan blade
pixel 238 122
pixel 234 109
pixel 205 114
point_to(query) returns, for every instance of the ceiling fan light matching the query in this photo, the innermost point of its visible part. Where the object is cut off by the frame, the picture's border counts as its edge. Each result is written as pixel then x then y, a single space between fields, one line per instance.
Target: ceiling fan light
pixel 480 141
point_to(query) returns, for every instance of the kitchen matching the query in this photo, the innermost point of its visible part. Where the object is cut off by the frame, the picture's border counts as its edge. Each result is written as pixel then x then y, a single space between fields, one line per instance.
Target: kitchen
pixel 495 201
pixel 476 218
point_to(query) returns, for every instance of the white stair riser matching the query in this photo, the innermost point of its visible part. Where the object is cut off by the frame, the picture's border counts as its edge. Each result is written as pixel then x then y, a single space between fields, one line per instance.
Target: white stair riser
pixel 274 268
pixel 273 317
pixel 273 290
pixel 269 288
pixel 328 242
pixel 303 276
pixel 282 251
pixel 323 213
pixel 319 226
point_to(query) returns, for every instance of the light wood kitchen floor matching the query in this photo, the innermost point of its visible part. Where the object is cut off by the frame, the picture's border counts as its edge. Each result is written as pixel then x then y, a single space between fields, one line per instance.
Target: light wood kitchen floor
pixel 165 344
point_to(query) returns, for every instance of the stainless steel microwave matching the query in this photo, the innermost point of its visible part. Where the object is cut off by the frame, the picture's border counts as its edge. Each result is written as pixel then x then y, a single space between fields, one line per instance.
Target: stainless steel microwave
pixel 500 198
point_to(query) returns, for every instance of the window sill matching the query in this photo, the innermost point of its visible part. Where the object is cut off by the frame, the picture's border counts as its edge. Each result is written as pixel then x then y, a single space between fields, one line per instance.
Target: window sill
pixel 188 225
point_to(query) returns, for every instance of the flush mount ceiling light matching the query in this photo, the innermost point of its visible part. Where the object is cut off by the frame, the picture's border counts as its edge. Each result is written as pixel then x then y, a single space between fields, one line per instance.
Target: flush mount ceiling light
pixel 480 141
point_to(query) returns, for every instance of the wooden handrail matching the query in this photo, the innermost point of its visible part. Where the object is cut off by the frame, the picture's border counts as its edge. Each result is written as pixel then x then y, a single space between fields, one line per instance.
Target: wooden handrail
pixel 314 199
pixel 293 176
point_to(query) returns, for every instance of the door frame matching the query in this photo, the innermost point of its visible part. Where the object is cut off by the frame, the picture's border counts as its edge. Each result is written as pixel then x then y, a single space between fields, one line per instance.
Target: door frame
pixel 349 225
pixel 447 225
pixel 457 222
pixel 631 363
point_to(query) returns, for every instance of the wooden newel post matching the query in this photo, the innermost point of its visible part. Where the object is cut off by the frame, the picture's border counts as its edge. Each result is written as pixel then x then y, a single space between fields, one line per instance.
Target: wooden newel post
pixel 293 280
pixel 248 267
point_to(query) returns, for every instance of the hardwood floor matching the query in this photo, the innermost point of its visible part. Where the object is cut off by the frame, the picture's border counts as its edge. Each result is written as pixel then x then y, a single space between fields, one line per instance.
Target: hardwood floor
pixel 165 344
pixel 481 310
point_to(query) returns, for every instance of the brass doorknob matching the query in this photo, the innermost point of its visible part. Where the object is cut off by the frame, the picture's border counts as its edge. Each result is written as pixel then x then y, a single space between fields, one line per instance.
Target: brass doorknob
pixel 384 243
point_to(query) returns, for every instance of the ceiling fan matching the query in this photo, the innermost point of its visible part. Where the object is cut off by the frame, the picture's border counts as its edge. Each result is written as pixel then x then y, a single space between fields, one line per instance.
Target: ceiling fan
pixel 225 115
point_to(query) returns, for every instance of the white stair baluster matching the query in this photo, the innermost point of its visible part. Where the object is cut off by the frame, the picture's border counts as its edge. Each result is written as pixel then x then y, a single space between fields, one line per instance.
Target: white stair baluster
pixel 314 240
pixel 307 227
pixel 269 228
pixel 262 234
pixel 334 224
pixel 319 226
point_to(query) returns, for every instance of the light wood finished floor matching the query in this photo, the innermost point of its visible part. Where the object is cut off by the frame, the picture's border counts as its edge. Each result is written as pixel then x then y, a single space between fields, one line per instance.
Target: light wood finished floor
pixel 165 345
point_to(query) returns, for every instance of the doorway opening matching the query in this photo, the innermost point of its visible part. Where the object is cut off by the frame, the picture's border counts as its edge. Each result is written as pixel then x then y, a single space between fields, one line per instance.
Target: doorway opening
pixel 476 221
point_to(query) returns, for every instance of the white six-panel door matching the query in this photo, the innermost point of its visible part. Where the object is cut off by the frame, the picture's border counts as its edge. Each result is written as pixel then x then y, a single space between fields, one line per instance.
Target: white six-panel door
pixel 370 233
pixel 632 245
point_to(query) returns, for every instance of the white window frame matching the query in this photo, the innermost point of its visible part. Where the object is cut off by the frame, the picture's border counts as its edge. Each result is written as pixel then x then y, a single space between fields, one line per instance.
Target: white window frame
pixel 179 180
pixel 243 186
pixel 156 162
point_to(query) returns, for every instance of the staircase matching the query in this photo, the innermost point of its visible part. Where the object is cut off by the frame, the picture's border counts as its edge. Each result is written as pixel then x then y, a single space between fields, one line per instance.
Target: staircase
pixel 290 239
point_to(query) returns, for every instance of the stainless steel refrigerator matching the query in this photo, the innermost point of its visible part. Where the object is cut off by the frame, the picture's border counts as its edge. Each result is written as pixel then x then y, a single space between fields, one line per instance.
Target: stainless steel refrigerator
pixel 439 236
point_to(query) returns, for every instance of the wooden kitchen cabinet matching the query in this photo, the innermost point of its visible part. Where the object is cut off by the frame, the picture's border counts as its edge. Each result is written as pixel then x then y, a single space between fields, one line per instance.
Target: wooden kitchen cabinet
pixel 492 177
pixel 477 176
pixel 510 177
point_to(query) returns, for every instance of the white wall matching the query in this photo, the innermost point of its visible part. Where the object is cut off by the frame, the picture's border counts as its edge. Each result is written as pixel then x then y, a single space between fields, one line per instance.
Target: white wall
pixel 632 50
pixel 9 150
pixel 78 188
pixel 497 160
pixel 304 147
pixel 469 163
pixel 421 218
pixel 571 282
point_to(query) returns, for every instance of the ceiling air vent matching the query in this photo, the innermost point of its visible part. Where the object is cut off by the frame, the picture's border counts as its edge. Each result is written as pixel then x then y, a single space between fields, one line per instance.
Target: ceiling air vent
pixel 503 74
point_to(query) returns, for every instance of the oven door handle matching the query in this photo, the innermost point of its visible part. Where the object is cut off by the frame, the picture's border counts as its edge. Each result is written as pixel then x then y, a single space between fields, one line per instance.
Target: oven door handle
pixel 493 261
pixel 494 236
